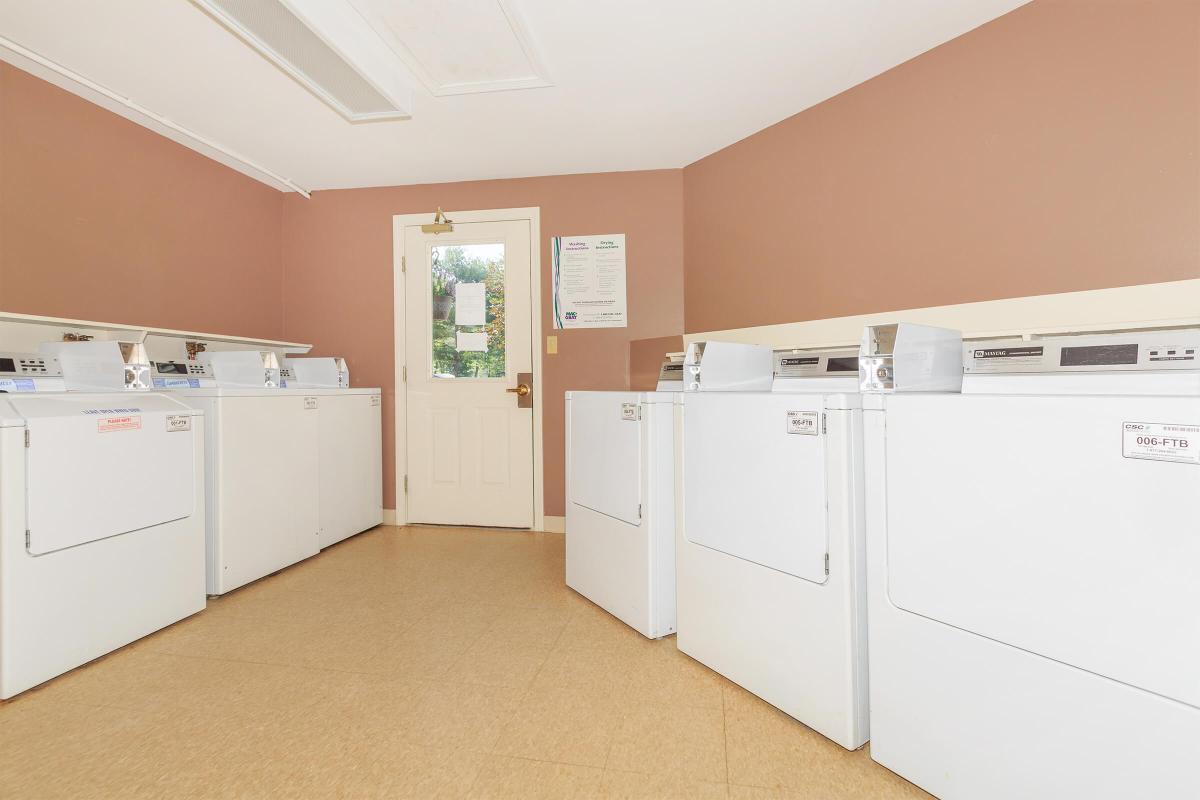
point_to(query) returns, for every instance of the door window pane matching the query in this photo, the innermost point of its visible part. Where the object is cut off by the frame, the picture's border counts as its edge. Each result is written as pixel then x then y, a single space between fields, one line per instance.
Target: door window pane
pixel 467 310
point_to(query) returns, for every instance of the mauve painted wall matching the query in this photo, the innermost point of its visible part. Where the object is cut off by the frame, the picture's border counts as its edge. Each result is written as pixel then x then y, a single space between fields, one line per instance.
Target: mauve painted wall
pixel 1054 149
pixel 103 219
pixel 646 357
pixel 338 281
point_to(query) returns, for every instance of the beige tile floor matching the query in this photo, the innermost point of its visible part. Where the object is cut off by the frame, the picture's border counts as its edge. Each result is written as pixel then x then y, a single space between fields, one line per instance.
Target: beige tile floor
pixel 422 663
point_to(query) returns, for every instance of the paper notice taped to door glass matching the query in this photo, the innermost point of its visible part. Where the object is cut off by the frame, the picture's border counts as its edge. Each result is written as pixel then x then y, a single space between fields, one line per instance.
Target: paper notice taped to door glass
pixel 1159 441
pixel 469 305
pixel 471 342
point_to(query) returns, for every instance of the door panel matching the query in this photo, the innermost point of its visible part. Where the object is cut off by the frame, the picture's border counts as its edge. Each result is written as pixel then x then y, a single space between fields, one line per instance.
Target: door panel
pixel 739 446
pixel 350 461
pixel 1019 519
pixel 264 530
pixel 468 332
pixel 606 464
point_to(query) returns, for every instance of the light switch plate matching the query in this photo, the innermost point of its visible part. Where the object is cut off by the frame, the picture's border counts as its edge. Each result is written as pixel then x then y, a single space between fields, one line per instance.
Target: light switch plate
pixel 551 345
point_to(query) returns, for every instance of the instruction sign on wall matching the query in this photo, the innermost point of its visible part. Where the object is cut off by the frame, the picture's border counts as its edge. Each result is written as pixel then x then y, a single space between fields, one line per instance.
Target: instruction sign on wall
pixel 589 281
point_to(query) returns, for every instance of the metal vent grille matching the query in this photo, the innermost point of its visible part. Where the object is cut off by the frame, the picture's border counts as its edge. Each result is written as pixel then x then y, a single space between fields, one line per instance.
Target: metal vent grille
pixel 272 28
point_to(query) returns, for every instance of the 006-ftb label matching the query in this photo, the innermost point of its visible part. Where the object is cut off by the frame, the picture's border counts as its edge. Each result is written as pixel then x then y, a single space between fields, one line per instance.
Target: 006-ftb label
pixel 1158 441
pixel 805 423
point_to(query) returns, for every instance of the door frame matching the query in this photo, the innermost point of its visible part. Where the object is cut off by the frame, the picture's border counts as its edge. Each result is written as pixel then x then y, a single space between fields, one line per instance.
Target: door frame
pixel 532 215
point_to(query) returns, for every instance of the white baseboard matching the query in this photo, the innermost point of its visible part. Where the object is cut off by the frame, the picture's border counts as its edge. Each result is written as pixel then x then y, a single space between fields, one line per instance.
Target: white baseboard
pixel 551 524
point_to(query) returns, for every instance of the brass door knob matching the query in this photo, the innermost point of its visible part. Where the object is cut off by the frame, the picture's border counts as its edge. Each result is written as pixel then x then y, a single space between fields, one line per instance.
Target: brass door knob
pixel 521 389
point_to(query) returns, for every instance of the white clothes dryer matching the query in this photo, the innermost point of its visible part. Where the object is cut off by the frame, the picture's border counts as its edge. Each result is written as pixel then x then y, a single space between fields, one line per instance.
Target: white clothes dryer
pixel 769 546
pixel 1034 562
pixel 620 502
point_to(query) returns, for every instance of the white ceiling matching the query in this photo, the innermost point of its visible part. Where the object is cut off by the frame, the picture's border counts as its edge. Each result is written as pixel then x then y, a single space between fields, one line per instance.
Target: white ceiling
pixel 636 84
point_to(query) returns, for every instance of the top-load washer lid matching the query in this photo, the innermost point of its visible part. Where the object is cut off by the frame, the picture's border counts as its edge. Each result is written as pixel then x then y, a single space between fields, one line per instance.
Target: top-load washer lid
pixel 754 478
pixel 605 469
pixel 99 465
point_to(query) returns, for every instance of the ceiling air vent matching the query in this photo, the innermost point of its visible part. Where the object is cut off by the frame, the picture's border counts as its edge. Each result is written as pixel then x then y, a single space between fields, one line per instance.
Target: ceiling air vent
pixel 328 47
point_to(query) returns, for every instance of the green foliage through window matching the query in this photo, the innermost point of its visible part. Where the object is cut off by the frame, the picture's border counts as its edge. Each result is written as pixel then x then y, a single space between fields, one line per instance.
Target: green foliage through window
pixel 467 263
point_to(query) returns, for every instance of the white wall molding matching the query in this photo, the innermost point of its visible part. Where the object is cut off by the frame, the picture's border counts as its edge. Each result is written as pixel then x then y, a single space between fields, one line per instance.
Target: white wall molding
pixel 1152 305
pixel 36 64
pixel 555 524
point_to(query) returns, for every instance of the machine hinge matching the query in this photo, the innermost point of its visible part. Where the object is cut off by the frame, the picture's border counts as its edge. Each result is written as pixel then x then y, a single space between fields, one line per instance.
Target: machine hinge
pixel 28 539
pixel 404 374
pixel 27 437
pixel 824 428
pixel 403 263
pixel 827 563
pixel 639 510
pixel 406 484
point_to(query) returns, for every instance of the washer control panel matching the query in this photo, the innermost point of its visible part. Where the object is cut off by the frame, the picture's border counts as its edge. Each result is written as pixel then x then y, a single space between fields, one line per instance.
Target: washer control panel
pixel 27 365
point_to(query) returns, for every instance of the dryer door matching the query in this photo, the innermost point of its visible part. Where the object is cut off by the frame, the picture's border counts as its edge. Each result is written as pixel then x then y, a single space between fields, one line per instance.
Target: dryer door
pixel 754 479
pixel 605 470
pixel 1022 519
pixel 102 465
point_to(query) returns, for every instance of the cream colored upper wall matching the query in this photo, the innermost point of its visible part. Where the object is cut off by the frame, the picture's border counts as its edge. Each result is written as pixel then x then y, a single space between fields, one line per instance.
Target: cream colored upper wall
pixel 1172 304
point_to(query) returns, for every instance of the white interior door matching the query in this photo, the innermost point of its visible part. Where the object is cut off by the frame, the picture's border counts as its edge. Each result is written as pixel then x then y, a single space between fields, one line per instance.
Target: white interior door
pixel 468 336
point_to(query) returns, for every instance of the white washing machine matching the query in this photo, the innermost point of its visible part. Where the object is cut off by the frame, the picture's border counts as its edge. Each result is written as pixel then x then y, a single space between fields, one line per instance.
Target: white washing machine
pixel 101 512
pixel 261 445
pixel 620 502
pixel 349 448
pixel 771 584
pixel 1034 569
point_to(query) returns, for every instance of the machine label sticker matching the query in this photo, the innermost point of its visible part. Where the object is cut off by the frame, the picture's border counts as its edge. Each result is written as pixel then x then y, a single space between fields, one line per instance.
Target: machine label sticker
pixel 310 403
pixel 374 399
pixel 1023 353
pixel 16 385
pixel 113 424
pixel 629 412
pixel 807 423
pixel 187 383
pixel 178 422
pixel 1157 441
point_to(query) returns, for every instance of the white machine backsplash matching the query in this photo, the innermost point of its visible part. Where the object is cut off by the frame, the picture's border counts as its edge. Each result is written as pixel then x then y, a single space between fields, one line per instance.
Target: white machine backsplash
pixel 329 372
pixel 243 368
pixel 101 365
